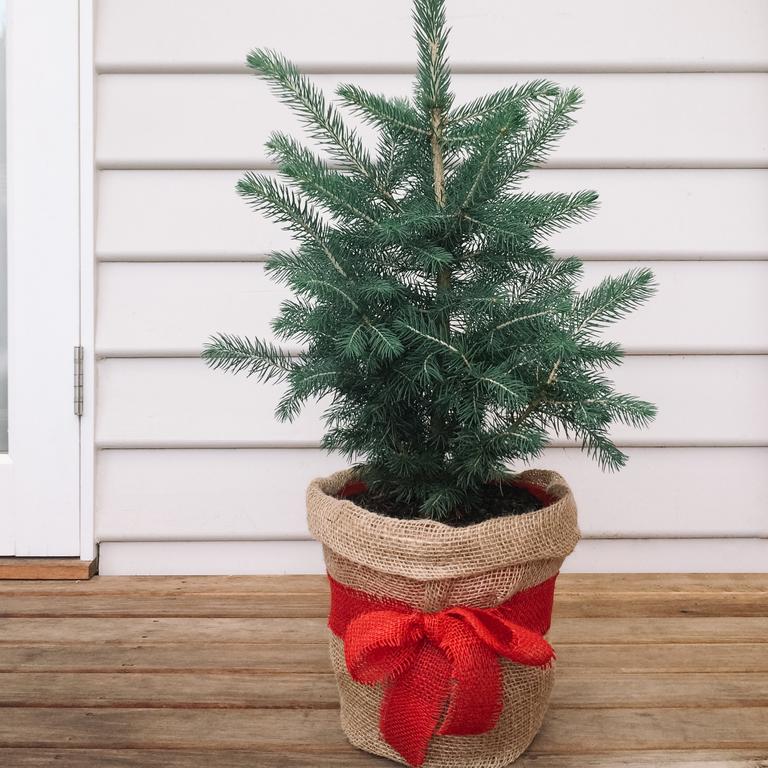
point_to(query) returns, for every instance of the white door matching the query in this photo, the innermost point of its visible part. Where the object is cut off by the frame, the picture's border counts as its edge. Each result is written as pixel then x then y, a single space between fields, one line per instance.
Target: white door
pixel 39 280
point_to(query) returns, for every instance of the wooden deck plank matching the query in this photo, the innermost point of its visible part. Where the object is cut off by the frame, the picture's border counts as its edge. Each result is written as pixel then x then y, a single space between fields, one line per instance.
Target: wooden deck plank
pixel 164 585
pixel 312 658
pixel 186 758
pixel 45 631
pixel 609 689
pixel 181 605
pixel 578 595
pixel 661 604
pixel 135 758
pixel 676 659
pixel 186 690
pixel 666 582
pixel 582 583
pixel 276 605
pixel 317 730
pixel 573 689
pixel 608 730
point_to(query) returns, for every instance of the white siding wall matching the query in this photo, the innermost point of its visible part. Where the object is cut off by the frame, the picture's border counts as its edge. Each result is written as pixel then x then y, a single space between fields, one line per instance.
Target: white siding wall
pixel 194 475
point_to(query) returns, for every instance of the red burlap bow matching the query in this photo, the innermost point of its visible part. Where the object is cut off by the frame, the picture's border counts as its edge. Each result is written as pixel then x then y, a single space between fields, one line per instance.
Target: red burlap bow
pixel 428 660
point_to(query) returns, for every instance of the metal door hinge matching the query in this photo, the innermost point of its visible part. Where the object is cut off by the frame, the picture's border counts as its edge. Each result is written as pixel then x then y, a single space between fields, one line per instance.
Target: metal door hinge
pixel 78 381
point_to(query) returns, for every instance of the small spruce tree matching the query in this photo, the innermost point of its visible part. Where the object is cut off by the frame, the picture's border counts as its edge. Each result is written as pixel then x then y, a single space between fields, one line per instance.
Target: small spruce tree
pixel 446 339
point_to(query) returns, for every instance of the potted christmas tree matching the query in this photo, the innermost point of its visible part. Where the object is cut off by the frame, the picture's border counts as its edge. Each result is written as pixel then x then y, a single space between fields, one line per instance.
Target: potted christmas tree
pixel 447 343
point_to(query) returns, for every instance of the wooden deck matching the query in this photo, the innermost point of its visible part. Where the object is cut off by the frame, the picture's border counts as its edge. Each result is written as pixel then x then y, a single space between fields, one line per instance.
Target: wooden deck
pixel 233 673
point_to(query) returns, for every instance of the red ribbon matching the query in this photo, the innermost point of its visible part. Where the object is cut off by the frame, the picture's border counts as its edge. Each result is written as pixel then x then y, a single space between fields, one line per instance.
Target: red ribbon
pixel 440 671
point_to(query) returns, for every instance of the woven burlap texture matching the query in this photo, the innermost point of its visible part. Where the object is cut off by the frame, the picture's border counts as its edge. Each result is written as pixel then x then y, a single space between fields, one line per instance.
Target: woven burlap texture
pixel 431 566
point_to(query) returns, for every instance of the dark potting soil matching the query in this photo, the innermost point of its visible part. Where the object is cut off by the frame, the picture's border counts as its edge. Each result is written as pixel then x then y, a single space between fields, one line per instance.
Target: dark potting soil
pixel 496 501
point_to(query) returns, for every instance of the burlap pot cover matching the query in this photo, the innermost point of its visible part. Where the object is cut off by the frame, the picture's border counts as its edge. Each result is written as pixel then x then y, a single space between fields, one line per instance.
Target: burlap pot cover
pixel 431 566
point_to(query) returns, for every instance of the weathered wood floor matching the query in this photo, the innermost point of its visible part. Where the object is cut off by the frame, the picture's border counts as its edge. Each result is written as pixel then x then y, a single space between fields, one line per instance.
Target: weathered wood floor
pixel 233 673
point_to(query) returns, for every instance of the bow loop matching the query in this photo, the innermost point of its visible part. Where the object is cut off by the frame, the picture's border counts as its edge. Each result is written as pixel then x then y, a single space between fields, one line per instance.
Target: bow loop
pixel 506 637
pixel 380 645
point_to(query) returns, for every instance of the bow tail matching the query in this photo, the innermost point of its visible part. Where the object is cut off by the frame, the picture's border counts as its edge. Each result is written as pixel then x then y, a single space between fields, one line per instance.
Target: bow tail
pixel 414 702
pixel 476 698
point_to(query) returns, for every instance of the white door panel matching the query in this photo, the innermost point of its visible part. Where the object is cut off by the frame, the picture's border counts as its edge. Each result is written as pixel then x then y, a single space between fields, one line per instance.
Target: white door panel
pixel 39 473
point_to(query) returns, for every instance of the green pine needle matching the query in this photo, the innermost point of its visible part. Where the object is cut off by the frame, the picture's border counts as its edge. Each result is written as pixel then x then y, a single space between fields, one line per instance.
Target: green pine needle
pixel 254 357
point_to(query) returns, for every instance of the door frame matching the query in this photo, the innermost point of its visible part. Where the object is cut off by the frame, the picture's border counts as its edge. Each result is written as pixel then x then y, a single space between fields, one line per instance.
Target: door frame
pixel 46 478
pixel 87 298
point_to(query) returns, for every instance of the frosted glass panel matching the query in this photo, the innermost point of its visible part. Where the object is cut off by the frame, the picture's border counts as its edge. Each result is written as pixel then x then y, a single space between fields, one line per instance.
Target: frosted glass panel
pixel 3 252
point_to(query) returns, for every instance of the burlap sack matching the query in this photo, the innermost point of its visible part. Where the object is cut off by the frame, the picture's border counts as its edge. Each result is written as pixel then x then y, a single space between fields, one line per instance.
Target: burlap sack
pixel 431 566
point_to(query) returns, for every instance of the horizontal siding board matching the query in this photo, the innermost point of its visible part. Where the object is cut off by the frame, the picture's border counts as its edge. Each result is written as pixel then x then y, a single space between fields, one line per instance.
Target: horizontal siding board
pixel 184 558
pixel 167 309
pixel 171 308
pixel 644 214
pixel 668 556
pixel 704 400
pixel 141 35
pixel 252 494
pixel 628 120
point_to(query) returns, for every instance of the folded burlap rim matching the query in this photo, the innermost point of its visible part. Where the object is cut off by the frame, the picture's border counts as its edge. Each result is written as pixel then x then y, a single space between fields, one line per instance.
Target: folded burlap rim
pixel 427 549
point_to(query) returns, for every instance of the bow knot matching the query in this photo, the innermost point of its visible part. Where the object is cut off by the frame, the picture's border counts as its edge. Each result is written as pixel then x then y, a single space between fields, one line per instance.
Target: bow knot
pixel 427 660
pixel 433 624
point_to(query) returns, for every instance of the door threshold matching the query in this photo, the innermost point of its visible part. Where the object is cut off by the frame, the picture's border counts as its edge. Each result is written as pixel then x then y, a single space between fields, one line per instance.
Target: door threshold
pixel 47 568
